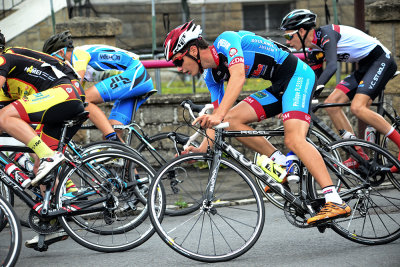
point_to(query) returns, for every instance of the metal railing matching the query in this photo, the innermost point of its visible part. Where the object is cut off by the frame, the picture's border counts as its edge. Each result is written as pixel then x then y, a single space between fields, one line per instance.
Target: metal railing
pixel 7 6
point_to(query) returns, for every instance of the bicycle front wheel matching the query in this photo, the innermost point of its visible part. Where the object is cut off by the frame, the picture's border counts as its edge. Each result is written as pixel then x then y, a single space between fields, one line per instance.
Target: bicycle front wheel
pixel 368 190
pixel 11 236
pixel 217 230
pixel 118 218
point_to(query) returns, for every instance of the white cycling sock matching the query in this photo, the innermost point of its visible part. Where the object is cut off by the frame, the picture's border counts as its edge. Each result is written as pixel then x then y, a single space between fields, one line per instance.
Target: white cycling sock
pixel 278 158
pixel 331 195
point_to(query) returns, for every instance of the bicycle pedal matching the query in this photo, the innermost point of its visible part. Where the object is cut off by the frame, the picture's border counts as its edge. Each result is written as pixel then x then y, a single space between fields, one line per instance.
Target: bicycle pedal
pixel 42 248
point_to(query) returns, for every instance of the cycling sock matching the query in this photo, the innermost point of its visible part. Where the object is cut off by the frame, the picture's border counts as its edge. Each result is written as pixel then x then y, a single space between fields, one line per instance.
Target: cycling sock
pixel 112 137
pixel 278 158
pixel 40 148
pixel 331 195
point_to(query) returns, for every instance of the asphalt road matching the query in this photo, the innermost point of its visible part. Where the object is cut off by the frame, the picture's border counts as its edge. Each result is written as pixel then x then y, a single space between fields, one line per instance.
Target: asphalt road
pixel 280 244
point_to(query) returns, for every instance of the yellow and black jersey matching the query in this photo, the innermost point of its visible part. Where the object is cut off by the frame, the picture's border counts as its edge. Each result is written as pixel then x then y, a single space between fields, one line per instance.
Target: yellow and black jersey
pixel 25 75
pixel 60 65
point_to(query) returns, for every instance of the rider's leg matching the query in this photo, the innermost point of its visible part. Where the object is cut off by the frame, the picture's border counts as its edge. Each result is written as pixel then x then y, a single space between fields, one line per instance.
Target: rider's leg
pixel 97 116
pixel 239 117
pixel 360 110
pixel 295 140
pixel 336 114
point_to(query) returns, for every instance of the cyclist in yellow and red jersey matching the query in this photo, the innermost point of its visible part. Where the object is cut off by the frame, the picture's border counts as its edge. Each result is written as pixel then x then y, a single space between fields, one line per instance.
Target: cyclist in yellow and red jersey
pixel 119 77
pixel 37 92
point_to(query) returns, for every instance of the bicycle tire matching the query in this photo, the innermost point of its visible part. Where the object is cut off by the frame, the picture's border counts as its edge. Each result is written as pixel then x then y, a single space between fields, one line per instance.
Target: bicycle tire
pixel 121 227
pixel 317 137
pixel 8 195
pixel 390 146
pixel 11 237
pixel 163 143
pixel 375 213
pixel 226 228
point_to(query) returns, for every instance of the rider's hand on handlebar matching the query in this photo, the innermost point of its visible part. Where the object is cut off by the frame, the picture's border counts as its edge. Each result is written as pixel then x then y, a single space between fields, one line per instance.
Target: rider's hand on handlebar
pixel 208 121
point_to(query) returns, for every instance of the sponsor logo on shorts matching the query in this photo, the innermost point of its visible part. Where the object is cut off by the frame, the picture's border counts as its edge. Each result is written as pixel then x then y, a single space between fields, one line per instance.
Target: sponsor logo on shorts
pixel 377 75
pixel 68 89
pixel 116 80
pixel 261 94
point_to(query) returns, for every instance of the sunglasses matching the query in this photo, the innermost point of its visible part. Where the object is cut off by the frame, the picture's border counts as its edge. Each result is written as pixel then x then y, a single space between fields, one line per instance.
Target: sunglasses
pixel 289 36
pixel 178 61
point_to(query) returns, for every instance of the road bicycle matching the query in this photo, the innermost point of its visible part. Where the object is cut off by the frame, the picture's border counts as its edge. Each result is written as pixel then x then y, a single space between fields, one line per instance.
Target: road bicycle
pixel 10 236
pixel 105 214
pixel 321 134
pixel 230 214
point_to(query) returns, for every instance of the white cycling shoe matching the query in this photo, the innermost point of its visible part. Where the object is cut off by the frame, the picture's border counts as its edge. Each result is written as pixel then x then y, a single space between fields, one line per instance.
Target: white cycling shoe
pixel 46 166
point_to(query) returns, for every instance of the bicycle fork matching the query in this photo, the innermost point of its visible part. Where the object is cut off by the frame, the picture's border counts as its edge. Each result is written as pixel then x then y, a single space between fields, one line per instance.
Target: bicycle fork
pixel 209 193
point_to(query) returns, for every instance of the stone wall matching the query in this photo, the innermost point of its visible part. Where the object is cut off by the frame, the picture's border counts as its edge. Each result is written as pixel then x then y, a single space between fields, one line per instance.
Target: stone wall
pixel 385 25
pixel 35 37
pixel 137 28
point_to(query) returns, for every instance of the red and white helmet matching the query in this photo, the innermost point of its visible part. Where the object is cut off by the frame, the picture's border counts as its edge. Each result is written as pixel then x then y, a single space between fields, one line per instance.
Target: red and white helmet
pixel 179 37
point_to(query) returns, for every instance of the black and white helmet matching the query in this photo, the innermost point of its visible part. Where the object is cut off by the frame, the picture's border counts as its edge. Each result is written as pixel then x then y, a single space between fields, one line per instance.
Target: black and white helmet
pixel 298 18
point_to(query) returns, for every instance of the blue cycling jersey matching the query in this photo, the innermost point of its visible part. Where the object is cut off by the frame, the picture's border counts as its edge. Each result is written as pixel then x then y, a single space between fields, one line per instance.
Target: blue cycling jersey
pixel 260 56
pixel 120 75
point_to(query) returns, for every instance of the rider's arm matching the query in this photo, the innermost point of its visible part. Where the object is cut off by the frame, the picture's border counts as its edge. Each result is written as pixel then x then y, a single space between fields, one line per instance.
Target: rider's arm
pixel 329 45
pixel 233 89
pixel 80 61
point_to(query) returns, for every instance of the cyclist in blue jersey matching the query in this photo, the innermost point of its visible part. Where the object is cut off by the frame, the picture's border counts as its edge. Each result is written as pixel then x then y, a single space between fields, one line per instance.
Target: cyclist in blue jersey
pixel 119 77
pixel 376 66
pixel 235 56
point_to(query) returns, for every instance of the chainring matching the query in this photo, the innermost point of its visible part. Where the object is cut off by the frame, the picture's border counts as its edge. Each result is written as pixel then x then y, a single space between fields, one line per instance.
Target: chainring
pixel 294 217
pixel 43 225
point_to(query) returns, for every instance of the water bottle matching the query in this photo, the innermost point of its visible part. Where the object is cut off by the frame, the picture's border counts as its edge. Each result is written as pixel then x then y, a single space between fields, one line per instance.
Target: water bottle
pixel 24 161
pixel 370 134
pixel 346 135
pixel 12 170
pixel 293 167
pixel 272 168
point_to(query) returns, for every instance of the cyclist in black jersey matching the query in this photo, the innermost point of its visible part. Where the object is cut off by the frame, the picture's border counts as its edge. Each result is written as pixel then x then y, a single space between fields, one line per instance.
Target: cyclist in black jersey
pixel 35 91
pixel 343 43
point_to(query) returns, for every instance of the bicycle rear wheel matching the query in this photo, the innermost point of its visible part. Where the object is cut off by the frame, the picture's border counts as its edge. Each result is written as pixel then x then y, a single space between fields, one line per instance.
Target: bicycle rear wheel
pixel 221 230
pixel 11 236
pixel 375 216
pixel 120 221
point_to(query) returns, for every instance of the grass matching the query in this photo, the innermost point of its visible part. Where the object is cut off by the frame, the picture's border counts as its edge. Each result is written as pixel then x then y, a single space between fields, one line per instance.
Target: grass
pixel 180 87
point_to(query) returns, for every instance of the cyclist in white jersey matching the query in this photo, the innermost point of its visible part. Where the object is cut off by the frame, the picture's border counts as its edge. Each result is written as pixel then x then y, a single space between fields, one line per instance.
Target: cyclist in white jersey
pixel 343 43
